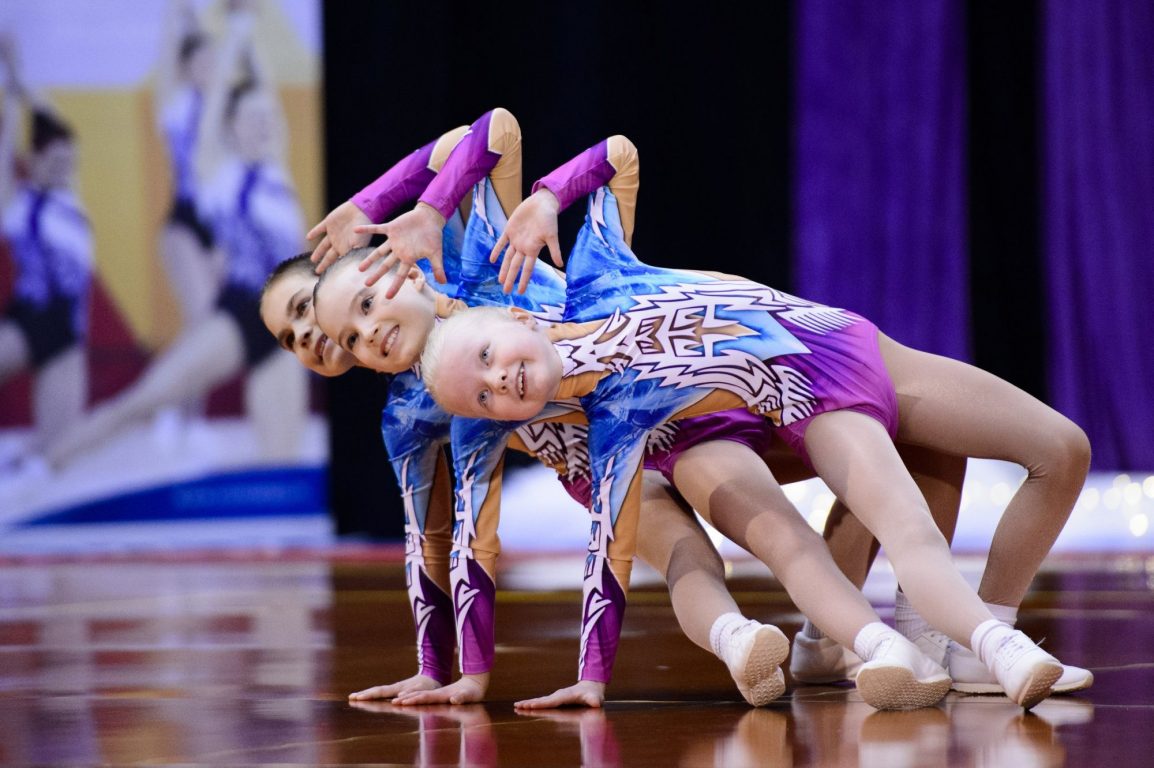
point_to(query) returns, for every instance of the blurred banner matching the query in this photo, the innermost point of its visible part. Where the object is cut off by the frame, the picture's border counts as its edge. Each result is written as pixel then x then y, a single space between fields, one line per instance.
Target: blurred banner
pixel 158 158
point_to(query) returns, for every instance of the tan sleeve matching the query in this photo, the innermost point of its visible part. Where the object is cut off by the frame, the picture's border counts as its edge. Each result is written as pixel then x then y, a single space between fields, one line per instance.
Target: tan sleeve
pixel 505 140
pixel 622 155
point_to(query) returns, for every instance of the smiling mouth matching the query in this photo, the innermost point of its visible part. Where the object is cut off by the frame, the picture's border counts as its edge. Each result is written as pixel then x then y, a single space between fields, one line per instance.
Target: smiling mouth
pixel 320 346
pixel 521 381
pixel 390 339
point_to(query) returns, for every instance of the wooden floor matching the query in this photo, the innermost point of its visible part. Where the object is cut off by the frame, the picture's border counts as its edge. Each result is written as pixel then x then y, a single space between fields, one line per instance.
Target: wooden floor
pixel 247 660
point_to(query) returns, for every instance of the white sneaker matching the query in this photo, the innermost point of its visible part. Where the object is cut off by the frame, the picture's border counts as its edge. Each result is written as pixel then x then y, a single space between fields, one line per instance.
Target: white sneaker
pixel 754 654
pixel 899 676
pixel 1026 672
pixel 821 661
pixel 972 676
pixel 934 644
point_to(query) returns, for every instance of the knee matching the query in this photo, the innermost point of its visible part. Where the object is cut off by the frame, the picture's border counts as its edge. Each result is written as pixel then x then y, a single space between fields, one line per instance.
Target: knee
pixel 1065 454
pixel 691 554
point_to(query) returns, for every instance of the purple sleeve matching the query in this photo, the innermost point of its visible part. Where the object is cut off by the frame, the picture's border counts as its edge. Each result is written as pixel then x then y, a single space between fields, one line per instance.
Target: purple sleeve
pixel 469 162
pixel 580 176
pixel 401 184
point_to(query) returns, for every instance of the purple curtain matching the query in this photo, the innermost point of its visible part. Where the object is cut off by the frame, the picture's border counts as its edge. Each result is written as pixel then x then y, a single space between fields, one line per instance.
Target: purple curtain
pixel 1098 222
pixel 879 175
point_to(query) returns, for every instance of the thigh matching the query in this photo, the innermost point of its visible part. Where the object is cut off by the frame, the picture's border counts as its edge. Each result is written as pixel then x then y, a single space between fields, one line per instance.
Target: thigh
pixel 950 406
pixel 667 523
pixel 853 454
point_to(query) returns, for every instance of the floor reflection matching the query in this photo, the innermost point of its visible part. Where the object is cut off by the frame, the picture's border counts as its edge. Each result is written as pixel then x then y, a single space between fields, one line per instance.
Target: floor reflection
pixel 251 662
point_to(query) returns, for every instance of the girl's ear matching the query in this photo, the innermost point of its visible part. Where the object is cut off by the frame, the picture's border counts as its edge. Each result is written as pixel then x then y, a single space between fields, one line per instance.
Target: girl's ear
pixel 523 316
pixel 417 276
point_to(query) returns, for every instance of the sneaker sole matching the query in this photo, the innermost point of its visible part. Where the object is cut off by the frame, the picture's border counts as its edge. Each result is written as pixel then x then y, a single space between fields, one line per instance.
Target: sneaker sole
pixel 1080 685
pixel 1040 684
pixel 892 687
pixel 761 680
pixel 993 689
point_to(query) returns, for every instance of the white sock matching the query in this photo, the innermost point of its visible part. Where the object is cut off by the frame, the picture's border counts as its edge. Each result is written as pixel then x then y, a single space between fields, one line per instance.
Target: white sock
pixel 1004 613
pixel 722 629
pixel 907 620
pixel 810 630
pixel 866 643
pixel 987 638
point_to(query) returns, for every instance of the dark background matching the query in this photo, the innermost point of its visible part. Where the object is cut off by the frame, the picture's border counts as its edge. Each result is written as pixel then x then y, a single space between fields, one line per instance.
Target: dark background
pixel 707 99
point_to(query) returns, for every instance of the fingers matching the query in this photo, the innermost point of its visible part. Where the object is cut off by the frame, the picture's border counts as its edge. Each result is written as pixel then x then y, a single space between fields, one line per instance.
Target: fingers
pixel 376 692
pixel 379 269
pixel 371 229
pixel 320 228
pixel 510 269
pixel 414 698
pixel 323 254
pixel 526 274
pixel 500 246
pixel 398 281
pixel 555 250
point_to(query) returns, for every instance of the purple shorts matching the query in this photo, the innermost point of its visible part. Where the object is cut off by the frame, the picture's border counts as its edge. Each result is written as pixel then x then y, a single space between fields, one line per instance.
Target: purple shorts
pixel 849 374
pixel 737 425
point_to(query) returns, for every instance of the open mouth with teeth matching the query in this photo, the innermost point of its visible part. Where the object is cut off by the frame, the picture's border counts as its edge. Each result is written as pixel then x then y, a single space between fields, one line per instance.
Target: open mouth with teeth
pixel 320 347
pixel 390 339
pixel 521 381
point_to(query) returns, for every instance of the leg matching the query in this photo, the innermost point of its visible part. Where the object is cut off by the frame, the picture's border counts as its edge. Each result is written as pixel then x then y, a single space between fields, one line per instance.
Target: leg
pixel 855 457
pixel 939 477
pixel 276 398
pixel 852 453
pixel 672 541
pixel 192 273
pixel 675 545
pixel 60 393
pixel 734 490
pixel 948 405
pixel 199 360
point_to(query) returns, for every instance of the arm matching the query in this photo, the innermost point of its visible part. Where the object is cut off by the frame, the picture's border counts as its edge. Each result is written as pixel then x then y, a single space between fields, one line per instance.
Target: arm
pixel 415 433
pixel 491 147
pixel 212 133
pixel 179 20
pixel 478 461
pixel 616 450
pixel 396 187
pixel 533 226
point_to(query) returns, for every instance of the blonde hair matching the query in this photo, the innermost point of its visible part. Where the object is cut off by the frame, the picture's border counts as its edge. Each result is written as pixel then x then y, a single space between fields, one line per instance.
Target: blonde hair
pixel 431 357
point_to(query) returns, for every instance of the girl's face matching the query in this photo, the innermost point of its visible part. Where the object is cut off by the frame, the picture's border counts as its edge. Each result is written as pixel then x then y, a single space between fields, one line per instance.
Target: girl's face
pixel 387 335
pixel 254 126
pixel 287 311
pixel 54 166
pixel 497 368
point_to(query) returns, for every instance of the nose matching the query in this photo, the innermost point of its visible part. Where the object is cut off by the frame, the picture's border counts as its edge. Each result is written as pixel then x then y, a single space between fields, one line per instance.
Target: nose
pixel 498 379
pixel 304 336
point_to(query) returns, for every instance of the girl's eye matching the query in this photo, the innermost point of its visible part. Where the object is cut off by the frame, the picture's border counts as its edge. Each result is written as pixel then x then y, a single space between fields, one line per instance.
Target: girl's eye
pixel 483 398
pixel 485 355
pixel 366 303
pixel 352 340
pixel 302 307
pixel 290 341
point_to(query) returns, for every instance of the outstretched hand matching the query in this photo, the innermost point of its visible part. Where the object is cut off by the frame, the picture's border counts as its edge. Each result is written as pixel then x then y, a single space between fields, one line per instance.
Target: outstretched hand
pixel 412 236
pixel 586 693
pixel 467 690
pixel 532 227
pixel 338 234
pixel 414 684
